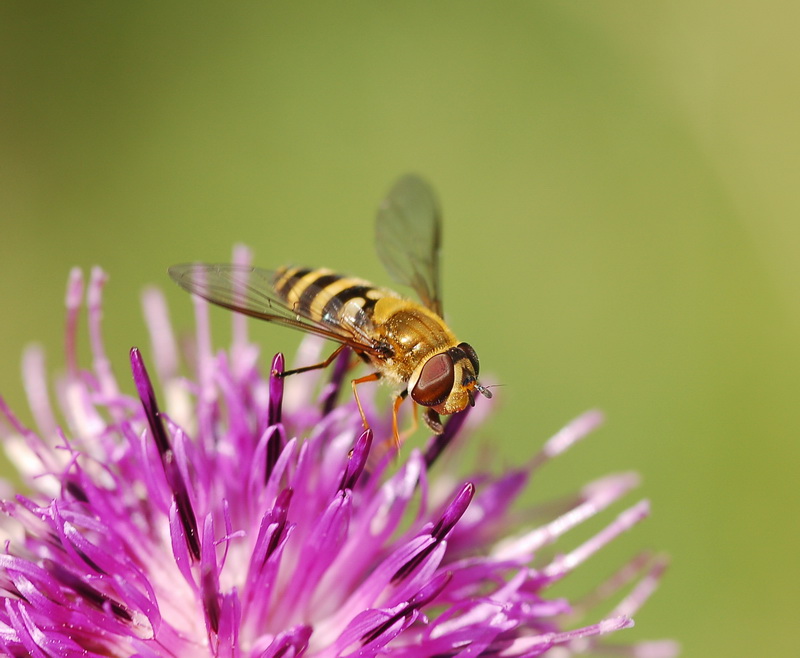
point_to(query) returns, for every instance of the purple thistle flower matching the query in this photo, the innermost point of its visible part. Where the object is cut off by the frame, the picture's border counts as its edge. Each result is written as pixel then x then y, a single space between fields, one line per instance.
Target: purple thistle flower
pixel 224 515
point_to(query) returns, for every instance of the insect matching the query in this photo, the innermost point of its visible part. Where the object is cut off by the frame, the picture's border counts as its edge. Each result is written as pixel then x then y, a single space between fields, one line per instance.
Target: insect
pixel 407 344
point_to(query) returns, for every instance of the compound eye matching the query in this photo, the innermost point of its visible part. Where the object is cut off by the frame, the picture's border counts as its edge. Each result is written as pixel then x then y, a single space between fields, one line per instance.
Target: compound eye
pixel 435 381
pixel 472 355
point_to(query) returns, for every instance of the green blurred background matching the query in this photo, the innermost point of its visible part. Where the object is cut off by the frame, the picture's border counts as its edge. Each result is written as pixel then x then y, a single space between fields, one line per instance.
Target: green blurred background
pixel 621 227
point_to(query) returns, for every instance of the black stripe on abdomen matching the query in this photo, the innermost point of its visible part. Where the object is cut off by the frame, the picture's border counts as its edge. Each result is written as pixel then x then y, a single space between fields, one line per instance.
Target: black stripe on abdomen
pixel 335 303
pixel 290 282
pixel 313 290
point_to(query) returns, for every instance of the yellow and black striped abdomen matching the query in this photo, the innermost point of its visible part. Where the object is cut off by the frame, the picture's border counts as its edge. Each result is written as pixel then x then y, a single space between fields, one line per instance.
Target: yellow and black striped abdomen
pixel 322 295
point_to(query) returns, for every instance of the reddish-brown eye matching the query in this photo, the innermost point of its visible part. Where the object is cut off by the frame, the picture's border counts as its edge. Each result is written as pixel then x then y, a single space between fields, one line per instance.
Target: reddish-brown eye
pixel 435 381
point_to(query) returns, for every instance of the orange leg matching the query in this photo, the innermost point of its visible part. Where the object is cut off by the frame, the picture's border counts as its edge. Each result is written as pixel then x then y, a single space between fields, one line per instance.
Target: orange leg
pixel 409 431
pixel 367 378
pixel 395 434
pixel 400 439
pixel 317 366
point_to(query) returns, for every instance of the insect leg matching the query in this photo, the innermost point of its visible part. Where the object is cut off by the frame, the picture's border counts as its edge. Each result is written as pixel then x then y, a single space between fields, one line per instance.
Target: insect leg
pixel 316 366
pixel 395 433
pixel 409 431
pixel 375 376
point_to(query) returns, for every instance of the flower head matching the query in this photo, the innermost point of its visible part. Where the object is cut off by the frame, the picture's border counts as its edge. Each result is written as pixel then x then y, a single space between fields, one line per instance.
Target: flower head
pixel 225 515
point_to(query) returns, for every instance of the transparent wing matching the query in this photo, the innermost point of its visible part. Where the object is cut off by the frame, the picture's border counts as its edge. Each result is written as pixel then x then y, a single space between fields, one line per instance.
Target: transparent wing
pixel 249 290
pixel 408 238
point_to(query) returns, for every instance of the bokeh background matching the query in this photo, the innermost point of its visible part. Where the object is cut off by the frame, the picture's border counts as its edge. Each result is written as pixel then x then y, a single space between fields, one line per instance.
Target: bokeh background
pixel 619 182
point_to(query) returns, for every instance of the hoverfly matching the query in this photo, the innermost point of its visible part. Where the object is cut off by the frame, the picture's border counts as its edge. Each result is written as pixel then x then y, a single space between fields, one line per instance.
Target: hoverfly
pixel 408 344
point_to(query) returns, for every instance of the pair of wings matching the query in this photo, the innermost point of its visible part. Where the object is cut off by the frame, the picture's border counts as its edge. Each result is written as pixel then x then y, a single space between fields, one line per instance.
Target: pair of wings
pixel 408 240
